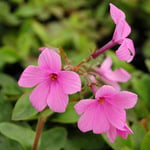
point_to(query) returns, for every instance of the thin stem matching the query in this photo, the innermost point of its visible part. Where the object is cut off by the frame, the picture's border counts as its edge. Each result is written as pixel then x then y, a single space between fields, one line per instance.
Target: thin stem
pixel 84 61
pixel 107 46
pixel 39 128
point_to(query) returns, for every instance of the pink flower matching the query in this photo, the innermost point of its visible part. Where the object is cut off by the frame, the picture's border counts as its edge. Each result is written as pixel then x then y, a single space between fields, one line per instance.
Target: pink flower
pixel 112 77
pixel 114 132
pixel 52 84
pixel 107 110
pixel 126 51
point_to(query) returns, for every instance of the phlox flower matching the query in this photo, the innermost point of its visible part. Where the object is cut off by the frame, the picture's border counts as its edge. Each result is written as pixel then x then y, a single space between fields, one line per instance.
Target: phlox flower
pixel 112 77
pixel 114 132
pixel 52 84
pixel 126 51
pixel 107 110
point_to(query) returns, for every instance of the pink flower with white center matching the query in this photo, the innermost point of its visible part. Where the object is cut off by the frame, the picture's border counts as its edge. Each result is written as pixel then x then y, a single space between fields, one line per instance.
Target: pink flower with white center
pixel 112 77
pixel 114 132
pixel 52 84
pixel 105 111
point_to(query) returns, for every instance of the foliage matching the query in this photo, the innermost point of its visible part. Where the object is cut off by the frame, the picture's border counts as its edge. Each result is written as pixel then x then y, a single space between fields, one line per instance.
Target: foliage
pixel 79 27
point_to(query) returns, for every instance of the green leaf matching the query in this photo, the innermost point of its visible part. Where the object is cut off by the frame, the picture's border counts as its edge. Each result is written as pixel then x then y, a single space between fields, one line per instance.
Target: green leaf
pixel 81 42
pixel 7 144
pixel 9 86
pixel 101 10
pixel 119 143
pixel 137 137
pixel 146 51
pixel 147 62
pixel 6 16
pixel 27 11
pixel 5 105
pixel 24 43
pixel 141 85
pixel 145 6
pixel 53 139
pixel 23 109
pixel 8 55
pixel 126 148
pixel 20 134
pixel 84 141
pixel 40 30
pixel 69 116
pixel 146 142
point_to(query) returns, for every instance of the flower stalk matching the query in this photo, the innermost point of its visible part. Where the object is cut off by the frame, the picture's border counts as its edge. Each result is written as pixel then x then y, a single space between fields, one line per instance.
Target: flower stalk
pixel 41 122
pixel 107 46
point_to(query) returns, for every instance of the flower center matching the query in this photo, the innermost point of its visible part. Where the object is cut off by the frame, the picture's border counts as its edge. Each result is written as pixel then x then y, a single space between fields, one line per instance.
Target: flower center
pixel 101 100
pixel 53 76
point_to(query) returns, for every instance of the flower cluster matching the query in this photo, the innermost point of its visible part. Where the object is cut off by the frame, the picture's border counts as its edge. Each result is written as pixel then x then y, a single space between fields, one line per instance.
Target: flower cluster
pixel 106 112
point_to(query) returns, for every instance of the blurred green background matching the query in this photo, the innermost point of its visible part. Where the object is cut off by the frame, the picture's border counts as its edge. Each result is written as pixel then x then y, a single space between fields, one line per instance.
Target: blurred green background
pixel 79 27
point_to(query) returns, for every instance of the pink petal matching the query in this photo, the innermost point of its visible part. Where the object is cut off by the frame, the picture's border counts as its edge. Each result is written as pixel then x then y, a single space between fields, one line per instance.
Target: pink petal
pixel 124 100
pixel 57 100
pixel 105 90
pixel 106 65
pixel 50 60
pixel 82 105
pixel 32 76
pixel 119 75
pixel 126 51
pixel 85 123
pixel 69 81
pixel 100 123
pixel 115 116
pixel 111 134
pixel 124 133
pixel 122 30
pixel 116 13
pixel 111 82
pixel 38 97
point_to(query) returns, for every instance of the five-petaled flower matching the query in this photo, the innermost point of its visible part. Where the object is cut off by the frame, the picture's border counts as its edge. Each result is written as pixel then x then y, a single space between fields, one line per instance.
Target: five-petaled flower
pixel 52 84
pixel 106 111
pixel 112 77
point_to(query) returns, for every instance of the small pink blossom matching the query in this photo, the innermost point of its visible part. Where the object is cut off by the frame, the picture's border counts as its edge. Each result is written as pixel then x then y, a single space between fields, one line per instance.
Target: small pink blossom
pixel 52 84
pixel 114 132
pixel 126 51
pixel 107 110
pixel 112 77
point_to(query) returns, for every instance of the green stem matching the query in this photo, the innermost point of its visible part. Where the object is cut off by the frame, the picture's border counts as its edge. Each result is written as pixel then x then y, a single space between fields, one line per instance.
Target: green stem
pixel 39 128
